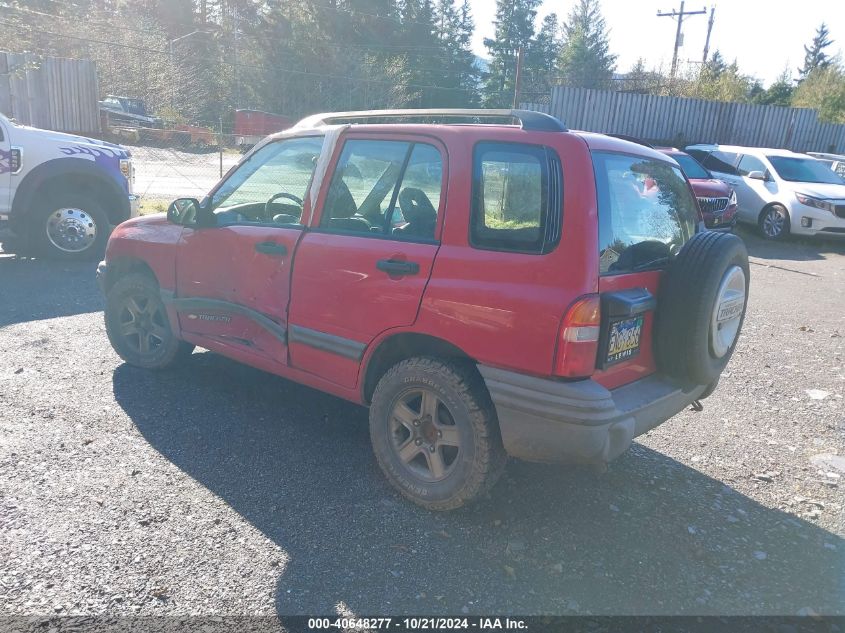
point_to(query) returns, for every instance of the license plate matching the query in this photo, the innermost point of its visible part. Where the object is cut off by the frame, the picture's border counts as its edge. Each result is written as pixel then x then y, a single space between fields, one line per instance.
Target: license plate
pixel 624 340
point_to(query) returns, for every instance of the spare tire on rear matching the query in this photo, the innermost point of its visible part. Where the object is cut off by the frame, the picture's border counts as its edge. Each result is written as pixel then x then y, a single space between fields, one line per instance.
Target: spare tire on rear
pixel 701 307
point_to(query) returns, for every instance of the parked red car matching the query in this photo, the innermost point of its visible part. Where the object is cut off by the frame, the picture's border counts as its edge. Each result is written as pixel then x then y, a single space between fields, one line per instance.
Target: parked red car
pixel 487 289
pixel 716 199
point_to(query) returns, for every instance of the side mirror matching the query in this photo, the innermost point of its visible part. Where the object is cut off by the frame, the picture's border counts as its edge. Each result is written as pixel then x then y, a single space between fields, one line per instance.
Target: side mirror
pixel 757 175
pixel 183 211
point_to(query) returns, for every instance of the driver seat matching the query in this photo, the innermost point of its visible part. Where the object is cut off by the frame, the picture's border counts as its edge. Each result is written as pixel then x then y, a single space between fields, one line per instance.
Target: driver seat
pixel 340 207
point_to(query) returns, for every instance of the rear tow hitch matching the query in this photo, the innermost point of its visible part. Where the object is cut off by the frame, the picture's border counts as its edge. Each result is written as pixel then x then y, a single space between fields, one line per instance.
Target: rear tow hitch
pixel 697 406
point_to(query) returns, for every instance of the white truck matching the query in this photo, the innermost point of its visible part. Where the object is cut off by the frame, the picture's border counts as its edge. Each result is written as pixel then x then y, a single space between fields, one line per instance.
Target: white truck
pixel 60 194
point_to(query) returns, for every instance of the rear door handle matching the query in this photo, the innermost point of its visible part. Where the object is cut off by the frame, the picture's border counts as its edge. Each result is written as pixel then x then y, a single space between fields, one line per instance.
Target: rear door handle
pixel 398 267
pixel 271 248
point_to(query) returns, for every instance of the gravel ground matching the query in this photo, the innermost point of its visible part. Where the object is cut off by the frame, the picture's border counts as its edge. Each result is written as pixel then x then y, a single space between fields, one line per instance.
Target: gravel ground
pixel 219 490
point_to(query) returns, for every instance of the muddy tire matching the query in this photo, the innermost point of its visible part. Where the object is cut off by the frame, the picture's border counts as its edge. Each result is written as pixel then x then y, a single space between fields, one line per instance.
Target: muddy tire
pixel 138 327
pixel 435 434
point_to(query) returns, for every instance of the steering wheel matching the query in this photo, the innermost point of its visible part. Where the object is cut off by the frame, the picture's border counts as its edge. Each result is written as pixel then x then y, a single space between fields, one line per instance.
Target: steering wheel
pixel 278 196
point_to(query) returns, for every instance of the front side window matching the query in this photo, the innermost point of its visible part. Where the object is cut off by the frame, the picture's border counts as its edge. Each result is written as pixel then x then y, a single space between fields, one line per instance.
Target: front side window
pixel 385 188
pixel 517 194
pixel 271 185
pixel 646 212
pixel 804 170
pixel 748 164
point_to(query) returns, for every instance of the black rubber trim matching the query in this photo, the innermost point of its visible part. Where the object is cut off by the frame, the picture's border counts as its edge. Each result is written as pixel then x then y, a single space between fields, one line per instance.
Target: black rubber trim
pixel 344 347
pixel 627 303
pixel 581 421
pixel 198 303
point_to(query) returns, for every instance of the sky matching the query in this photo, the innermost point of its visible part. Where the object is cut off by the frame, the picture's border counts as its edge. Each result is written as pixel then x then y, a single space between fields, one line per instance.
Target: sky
pixel 764 36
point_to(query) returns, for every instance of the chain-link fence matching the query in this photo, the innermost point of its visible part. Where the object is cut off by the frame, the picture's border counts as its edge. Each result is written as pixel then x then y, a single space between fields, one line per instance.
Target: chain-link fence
pixel 171 164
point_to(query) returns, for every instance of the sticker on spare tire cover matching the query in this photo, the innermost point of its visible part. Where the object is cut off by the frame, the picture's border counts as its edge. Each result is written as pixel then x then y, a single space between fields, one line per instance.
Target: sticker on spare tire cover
pixel 624 340
pixel 730 309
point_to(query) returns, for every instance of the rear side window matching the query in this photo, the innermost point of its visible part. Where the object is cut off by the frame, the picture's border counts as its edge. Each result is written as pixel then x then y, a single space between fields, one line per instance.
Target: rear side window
pixel 723 162
pixel 517 193
pixel 646 212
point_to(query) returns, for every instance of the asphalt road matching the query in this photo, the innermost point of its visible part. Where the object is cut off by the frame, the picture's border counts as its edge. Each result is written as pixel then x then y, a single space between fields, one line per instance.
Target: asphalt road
pixel 220 490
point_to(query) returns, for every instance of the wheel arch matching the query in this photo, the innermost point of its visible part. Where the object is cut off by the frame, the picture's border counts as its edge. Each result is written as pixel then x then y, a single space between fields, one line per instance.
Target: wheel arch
pixel 400 346
pixel 769 205
pixel 123 266
pixel 76 174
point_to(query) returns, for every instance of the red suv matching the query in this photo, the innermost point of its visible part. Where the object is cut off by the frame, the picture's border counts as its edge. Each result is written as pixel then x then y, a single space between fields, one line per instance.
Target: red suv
pixel 502 286
pixel 716 199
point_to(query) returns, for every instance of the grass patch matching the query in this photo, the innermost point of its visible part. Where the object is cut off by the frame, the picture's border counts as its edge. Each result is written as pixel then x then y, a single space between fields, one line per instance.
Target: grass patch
pixel 148 206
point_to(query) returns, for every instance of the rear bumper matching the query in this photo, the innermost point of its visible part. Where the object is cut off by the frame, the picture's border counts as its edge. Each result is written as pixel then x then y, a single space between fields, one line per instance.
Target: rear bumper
pixel 551 421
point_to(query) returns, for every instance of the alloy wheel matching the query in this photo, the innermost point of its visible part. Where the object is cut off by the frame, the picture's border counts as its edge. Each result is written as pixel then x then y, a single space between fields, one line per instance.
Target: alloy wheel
pixel 143 324
pixel 424 435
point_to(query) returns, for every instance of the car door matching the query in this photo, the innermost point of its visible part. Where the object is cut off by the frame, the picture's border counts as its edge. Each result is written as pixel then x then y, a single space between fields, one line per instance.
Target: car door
pixel 362 267
pixel 752 194
pixel 5 170
pixel 233 276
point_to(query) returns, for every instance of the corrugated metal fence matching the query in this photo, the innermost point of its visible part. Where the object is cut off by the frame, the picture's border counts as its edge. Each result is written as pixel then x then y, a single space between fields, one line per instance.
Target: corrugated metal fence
pixel 680 121
pixel 51 93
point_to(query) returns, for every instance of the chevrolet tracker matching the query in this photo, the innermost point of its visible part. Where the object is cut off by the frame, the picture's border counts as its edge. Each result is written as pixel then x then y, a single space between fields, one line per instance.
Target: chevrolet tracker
pixel 487 282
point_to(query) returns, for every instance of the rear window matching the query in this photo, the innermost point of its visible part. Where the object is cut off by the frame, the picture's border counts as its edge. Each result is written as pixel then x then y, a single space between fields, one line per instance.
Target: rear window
pixel 646 212
pixel 516 203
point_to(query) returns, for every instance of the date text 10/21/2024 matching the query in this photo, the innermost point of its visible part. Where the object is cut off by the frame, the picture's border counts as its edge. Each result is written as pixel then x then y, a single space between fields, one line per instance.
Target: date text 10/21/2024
pixel 417 624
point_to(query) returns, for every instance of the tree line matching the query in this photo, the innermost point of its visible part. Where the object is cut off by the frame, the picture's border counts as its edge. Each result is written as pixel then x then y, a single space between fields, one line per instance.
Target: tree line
pixel 198 60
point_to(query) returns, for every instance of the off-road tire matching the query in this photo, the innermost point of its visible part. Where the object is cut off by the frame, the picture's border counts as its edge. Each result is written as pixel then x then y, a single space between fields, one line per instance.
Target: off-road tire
pixel 688 294
pixel 44 206
pixel 138 285
pixel 462 391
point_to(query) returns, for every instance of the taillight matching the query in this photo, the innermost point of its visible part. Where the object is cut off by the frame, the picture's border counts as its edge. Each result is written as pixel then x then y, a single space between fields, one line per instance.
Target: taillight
pixel 578 341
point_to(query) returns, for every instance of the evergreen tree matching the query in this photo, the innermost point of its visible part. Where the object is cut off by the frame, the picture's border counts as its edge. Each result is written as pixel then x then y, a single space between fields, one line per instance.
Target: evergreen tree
pixel 458 74
pixel 814 55
pixel 541 59
pixel 585 60
pixel 640 79
pixel 514 30
pixel 779 93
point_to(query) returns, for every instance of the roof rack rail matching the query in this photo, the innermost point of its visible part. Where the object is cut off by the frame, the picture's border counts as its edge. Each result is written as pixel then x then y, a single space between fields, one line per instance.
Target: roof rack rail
pixel 528 119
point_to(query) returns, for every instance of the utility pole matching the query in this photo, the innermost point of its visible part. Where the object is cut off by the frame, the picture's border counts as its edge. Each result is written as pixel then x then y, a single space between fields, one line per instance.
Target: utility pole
pixel 237 60
pixel 518 81
pixel 709 31
pixel 679 36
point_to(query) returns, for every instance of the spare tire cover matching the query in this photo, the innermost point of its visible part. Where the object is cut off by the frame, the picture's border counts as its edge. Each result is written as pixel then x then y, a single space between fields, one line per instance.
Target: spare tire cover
pixel 701 307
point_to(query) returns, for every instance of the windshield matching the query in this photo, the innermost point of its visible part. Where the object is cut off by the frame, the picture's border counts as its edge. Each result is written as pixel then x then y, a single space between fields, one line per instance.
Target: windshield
pixel 804 170
pixel 282 167
pixel 691 167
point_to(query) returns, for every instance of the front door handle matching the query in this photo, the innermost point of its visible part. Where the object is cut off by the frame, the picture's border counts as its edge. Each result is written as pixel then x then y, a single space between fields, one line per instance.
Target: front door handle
pixel 398 267
pixel 271 248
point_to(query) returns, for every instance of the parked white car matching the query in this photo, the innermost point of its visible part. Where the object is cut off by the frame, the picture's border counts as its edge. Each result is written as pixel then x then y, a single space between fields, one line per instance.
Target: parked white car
pixel 781 192
pixel 835 161
pixel 61 193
